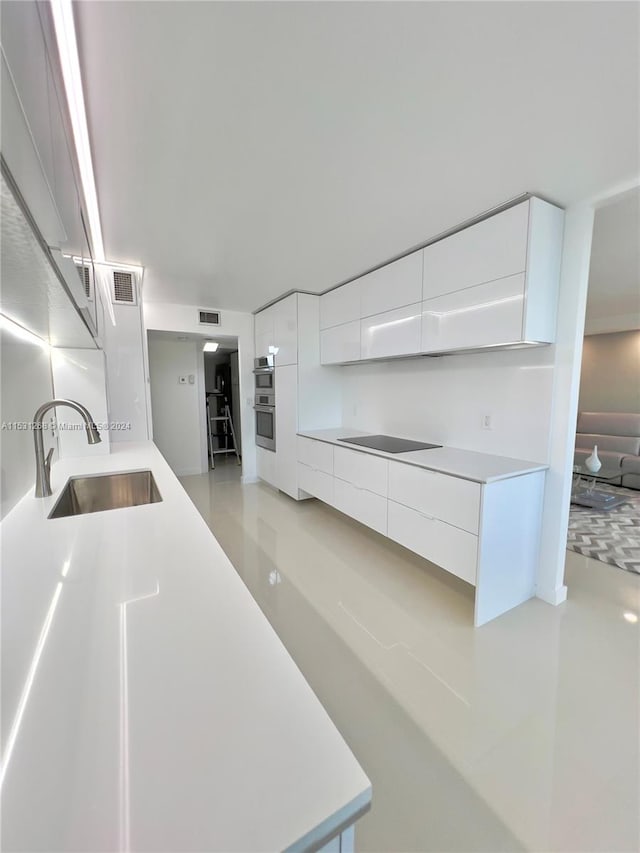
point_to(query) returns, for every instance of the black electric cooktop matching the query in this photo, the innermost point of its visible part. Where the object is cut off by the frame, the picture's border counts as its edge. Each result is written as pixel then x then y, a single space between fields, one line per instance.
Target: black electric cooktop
pixel 389 444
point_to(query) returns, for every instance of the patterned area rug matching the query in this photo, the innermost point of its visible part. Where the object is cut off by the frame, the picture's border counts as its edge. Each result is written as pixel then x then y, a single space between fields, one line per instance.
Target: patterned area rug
pixel 611 537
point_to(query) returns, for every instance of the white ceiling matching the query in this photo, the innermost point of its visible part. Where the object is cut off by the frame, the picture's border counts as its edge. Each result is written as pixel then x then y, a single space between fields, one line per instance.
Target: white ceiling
pixel 226 343
pixel 613 301
pixel 245 149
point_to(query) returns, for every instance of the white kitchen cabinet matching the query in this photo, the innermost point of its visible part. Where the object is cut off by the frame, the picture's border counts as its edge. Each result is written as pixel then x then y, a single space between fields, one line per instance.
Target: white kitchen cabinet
pixel 492 284
pixel 391 334
pixel 286 383
pixel 266 466
pixel 315 482
pixel 366 507
pixel 264 331
pixel 491 249
pixel 340 344
pixel 487 534
pixel 340 305
pixel 393 286
pixel 443 544
pixel 317 455
pixel 482 316
pixel 450 499
pixel 285 330
pixel 361 469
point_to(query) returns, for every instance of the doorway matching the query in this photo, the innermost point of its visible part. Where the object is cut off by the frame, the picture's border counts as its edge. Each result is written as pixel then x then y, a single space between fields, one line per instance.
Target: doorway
pixel 187 384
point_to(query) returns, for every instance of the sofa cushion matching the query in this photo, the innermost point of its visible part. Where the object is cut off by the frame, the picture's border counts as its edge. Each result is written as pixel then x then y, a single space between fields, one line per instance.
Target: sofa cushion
pixel 609 423
pixel 616 443
pixel 631 465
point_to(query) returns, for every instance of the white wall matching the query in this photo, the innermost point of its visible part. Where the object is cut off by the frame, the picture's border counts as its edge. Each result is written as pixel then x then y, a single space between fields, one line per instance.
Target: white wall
pixel 444 400
pixel 184 318
pixel 79 374
pixel 25 384
pixel 177 409
pixel 126 385
pixel 610 377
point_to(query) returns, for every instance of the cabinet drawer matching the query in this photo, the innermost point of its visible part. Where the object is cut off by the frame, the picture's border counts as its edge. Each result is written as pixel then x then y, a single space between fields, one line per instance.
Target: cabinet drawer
pixel 392 333
pixel 316 454
pixel 266 466
pixel 448 547
pixel 449 499
pixel 360 504
pixel 340 305
pixel 486 315
pixel 315 483
pixel 494 248
pixel 340 344
pixel 392 286
pixel 361 469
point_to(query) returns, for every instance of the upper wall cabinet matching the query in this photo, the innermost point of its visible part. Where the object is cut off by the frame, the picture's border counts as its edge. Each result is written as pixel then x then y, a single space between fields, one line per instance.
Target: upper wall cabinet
pixel 392 286
pixel 341 305
pixel 276 331
pixel 491 285
pixel 495 283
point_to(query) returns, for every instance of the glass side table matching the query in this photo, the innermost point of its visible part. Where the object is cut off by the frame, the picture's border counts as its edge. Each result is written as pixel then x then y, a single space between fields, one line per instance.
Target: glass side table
pixel 584 492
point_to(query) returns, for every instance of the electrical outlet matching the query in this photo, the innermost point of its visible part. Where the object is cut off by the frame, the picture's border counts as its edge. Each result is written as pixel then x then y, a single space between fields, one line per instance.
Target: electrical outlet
pixel 182 380
pixel 192 379
pixel 487 422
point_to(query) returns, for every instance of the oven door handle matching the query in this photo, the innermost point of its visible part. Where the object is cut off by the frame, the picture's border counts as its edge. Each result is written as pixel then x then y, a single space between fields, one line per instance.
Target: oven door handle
pixel 265 408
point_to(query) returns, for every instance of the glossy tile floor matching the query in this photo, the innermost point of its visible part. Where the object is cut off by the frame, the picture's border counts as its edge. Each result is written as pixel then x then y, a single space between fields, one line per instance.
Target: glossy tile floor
pixel 520 735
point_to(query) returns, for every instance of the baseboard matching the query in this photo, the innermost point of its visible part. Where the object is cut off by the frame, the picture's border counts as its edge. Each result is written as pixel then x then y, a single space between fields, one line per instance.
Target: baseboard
pixel 554 596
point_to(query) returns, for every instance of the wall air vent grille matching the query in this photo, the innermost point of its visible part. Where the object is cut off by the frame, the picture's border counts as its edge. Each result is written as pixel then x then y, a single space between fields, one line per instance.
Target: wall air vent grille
pixel 209 318
pixel 123 288
pixel 85 277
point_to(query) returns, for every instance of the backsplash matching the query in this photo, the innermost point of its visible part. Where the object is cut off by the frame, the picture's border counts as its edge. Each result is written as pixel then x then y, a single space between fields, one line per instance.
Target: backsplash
pixel 25 383
pixel 445 400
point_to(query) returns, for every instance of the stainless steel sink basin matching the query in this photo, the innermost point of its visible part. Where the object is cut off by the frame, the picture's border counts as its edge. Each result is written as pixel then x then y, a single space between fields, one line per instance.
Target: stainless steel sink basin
pixel 106 491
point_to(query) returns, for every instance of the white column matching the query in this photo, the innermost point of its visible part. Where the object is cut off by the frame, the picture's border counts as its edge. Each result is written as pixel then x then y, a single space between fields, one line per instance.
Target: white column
pixel 574 281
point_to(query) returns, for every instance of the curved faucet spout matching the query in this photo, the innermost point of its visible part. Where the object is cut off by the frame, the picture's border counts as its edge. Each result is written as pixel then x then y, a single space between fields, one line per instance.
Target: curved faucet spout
pixel 43 466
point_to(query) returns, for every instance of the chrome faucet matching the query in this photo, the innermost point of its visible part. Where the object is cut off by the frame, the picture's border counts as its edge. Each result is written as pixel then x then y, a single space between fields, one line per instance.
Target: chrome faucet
pixel 43 466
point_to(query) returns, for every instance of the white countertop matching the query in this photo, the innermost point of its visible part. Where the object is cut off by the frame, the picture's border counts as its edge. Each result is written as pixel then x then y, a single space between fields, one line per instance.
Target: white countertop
pixel 147 704
pixel 467 464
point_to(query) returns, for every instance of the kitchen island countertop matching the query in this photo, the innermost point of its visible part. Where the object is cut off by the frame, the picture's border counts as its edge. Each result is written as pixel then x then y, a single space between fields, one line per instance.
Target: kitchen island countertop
pixel 147 704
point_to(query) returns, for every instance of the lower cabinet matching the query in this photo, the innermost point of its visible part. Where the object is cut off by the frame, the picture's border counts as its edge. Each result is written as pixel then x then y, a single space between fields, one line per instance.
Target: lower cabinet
pixel 266 466
pixel 487 534
pixel 366 507
pixel 315 482
pixel 448 547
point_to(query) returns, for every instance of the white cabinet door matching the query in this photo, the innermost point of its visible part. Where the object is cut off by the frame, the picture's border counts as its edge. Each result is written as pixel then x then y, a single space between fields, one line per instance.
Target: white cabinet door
pixel 340 305
pixel 285 330
pixel 317 455
pixel 448 547
pixel 494 248
pixel 392 333
pixel 360 504
pixel 266 466
pixel 361 469
pixel 315 483
pixel 392 286
pixel 486 315
pixel 286 428
pixel 449 499
pixel 340 344
pixel 264 330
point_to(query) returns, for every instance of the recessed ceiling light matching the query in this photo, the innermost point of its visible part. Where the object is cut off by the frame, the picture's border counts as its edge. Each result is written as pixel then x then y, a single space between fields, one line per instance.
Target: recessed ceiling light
pixel 183 338
pixel 210 346
pixel 631 617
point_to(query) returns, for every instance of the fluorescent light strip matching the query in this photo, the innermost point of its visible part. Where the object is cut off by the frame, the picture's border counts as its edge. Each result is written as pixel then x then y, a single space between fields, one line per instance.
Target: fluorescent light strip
pixel 68 49
pixel 23 334
pixel 111 264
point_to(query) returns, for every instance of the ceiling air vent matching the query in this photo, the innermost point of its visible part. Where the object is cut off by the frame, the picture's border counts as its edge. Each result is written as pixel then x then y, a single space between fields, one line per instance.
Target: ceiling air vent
pixel 124 288
pixel 85 277
pixel 209 318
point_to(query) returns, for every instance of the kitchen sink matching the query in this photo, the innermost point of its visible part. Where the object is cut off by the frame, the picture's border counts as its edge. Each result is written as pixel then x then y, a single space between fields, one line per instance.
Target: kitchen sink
pixel 106 491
